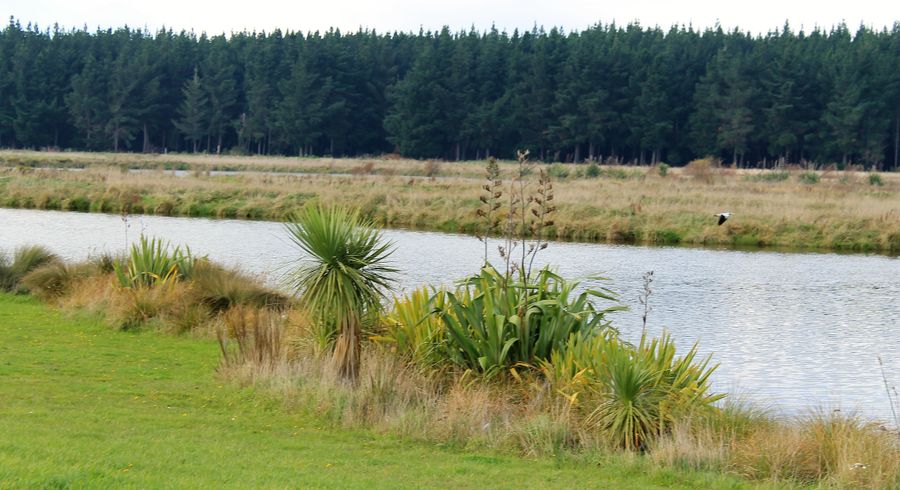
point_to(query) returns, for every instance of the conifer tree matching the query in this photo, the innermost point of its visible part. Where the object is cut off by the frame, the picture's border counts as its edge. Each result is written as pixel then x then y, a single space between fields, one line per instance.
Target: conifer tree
pixel 193 112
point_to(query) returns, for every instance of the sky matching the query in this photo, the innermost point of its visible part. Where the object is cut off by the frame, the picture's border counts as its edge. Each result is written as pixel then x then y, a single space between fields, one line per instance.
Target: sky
pixel 226 16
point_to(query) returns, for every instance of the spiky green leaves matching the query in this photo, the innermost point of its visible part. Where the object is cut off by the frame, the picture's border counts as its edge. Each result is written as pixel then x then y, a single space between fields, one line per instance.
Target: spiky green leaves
pixel 345 271
pixel 494 322
pixel 344 275
pixel 150 261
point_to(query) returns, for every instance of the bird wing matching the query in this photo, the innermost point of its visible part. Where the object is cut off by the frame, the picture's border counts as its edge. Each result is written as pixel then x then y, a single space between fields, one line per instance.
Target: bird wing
pixel 722 219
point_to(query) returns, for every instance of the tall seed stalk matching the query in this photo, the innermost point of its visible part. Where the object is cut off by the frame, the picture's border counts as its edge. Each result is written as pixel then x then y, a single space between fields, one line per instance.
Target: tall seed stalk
pixel 522 172
pixel 511 227
pixel 493 191
pixel 644 298
pixel 541 216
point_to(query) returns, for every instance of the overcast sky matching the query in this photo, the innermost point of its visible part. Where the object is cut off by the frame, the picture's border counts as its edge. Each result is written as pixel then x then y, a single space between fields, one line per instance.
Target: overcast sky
pixel 757 16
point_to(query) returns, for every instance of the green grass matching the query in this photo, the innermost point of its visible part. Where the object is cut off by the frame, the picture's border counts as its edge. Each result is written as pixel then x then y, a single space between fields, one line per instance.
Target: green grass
pixel 83 406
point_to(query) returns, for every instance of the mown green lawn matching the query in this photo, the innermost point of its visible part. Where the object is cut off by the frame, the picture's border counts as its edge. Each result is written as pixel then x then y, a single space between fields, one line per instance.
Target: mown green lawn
pixel 84 406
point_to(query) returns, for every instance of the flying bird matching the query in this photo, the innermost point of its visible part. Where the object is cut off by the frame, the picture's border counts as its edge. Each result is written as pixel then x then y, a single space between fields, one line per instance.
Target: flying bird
pixel 723 217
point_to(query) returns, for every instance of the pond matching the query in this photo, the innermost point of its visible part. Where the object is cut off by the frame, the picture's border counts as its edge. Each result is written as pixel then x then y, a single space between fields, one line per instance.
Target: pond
pixel 793 331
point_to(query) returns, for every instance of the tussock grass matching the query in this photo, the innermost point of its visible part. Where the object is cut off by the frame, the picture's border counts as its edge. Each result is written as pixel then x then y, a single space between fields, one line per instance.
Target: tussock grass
pixel 24 260
pixel 56 278
pixel 183 305
pixel 841 212
pixel 220 288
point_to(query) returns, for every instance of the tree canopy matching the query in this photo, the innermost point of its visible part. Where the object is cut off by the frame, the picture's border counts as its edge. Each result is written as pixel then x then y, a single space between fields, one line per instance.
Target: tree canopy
pixel 629 93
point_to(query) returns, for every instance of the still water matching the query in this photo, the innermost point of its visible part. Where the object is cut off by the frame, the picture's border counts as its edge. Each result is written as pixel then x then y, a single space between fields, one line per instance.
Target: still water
pixel 793 331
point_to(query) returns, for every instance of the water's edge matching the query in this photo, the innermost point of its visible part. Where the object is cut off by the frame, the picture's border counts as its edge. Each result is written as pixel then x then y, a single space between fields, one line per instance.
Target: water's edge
pixel 795 330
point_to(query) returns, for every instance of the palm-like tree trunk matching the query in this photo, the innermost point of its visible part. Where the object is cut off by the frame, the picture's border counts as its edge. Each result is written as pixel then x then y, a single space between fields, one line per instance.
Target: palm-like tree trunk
pixel 347 349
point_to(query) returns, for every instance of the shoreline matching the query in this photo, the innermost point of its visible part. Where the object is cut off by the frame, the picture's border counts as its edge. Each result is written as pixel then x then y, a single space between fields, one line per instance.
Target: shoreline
pixel 773 210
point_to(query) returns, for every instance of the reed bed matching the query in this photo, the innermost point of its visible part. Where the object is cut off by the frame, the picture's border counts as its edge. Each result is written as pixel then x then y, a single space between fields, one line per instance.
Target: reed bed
pixel 844 210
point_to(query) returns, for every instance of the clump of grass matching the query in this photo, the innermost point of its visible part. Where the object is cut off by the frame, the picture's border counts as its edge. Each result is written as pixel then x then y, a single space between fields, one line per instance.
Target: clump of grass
pixel 875 179
pixel 257 335
pixel 105 262
pixel 7 279
pixel 558 171
pixel 772 176
pixel 221 288
pixel 809 178
pixel 366 168
pixel 30 257
pixel 55 279
pixel 617 173
pixel 705 439
pixel 662 169
pixel 432 168
pixel 827 448
pixel 703 169
pixel 592 171
pixel 164 305
pixel 24 260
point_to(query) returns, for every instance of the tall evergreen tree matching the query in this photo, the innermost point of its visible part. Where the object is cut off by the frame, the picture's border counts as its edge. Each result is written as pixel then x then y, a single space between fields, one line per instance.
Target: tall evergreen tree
pixel 220 85
pixel 85 103
pixel 193 112
pixel 297 116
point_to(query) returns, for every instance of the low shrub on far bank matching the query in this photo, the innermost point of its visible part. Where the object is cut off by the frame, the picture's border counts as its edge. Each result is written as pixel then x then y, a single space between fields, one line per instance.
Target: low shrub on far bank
pixel 662 169
pixel 770 176
pixel 558 171
pixel 702 169
pixel 809 178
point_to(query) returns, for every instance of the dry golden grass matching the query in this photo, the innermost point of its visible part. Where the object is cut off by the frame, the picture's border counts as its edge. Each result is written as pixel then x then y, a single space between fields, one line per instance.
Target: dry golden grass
pixel 625 205
pixel 394 397
pixel 828 449
pixel 203 162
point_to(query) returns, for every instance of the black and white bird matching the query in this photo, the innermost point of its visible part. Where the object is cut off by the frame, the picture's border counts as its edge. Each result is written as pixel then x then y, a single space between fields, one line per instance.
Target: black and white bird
pixel 723 217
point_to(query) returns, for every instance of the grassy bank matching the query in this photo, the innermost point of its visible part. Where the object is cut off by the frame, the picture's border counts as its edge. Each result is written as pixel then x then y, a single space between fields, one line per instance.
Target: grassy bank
pixel 493 368
pixel 824 210
pixel 85 407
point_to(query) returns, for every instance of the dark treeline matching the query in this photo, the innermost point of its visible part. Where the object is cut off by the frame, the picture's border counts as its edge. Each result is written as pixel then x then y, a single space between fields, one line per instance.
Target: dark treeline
pixel 629 93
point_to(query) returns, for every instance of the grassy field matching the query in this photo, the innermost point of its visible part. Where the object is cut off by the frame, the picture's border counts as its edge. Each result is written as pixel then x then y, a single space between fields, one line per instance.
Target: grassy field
pixel 824 210
pixel 85 407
